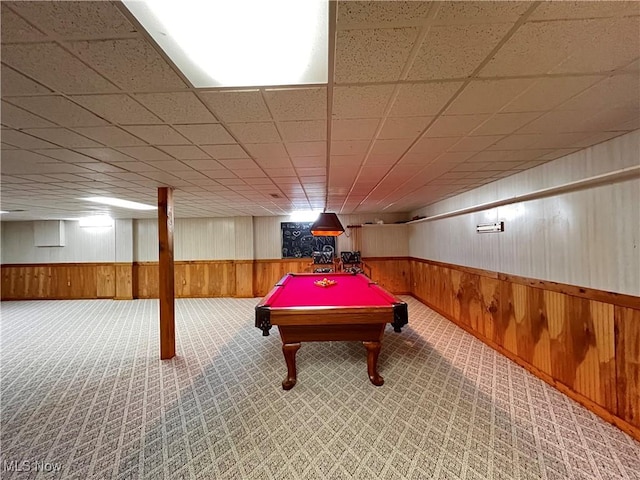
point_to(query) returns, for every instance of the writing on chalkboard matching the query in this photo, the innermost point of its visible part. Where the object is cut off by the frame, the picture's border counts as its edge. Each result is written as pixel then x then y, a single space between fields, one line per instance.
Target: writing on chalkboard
pixel 298 242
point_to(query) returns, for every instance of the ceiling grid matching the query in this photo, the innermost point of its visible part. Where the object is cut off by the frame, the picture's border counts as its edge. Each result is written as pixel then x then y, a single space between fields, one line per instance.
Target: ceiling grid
pixel 425 100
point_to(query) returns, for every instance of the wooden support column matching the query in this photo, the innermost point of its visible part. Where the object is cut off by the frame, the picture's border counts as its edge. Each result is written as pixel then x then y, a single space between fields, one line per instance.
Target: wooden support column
pixel 165 274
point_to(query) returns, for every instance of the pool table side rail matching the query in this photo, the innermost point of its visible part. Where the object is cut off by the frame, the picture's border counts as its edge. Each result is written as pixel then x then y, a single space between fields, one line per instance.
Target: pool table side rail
pixel 396 313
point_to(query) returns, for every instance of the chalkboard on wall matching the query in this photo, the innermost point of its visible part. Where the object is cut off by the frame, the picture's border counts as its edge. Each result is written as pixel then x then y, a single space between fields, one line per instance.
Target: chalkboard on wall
pixel 297 241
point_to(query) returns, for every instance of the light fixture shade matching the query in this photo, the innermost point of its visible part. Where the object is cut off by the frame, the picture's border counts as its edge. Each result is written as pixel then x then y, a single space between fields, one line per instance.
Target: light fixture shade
pixel 327 225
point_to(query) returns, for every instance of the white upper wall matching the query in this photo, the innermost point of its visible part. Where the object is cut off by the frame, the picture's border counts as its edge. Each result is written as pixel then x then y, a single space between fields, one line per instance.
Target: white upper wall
pixel 589 237
pixel 82 244
pixel 226 238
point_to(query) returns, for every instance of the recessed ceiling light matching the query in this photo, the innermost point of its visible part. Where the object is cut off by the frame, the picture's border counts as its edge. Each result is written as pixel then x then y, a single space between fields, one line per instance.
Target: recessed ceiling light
pixel 116 202
pixel 239 43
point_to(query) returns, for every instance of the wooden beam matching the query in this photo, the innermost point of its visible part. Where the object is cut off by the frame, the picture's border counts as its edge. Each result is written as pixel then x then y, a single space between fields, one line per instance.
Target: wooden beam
pixel 165 274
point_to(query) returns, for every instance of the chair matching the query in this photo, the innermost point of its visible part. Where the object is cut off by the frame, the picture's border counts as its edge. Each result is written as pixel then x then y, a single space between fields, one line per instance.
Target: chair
pixel 322 262
pixel 351 262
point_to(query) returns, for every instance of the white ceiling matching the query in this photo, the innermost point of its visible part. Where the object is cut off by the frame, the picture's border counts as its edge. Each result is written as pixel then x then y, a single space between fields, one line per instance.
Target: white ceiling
pixel 425 100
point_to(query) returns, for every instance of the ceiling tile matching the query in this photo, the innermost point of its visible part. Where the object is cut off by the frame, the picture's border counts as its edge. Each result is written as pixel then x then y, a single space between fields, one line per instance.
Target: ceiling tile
pixel 505 123
pixel 361 101
pixel 465 12
pixel 560 140
pixel 204 164
pixel 16 29
pixel 18 118
pixel 145 153
pixel 225 151
pixel 62 137
pixel 59 110
pixel 455 51
pixel 110 136
pixel 404 127
pixel 297 103
pixel 617 42
pixel 132 64
pixel 185 152
pixel 614 91
pixel 14 156
pixel 259 132
pixel 274 162
pixel 22 140
pixel 377 55
pixel 158 134
pixel 303 149
pixel 54 67
pixel 177 107
pixel 433 146
pixel 135 166
pixel 381 159
pixel 169 166
pixel 392 147
pixel 487 96
pixel 567 47
pixel 349 147
pixel 516 142
pixel 365 13
pixel 267 150
pixel 212 134
pixel 455 125
pixel 68 156
pixel 14 83
pixel 474 144
pixel 354 129
pixel 423 98
pixel 309 162
pixel 309 172
pixel 574 10
pixel 303 130
pixel 105 154
pixel 75 18
pixel 120 109
pixel 493 156
pixel 347 160
pixel 237 106
pixel 556 121
pixel 547 93
pixel 453 158
pixel 238 164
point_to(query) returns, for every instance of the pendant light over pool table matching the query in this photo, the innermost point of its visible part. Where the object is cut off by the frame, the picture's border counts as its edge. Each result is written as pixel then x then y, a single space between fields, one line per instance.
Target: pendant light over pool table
pixel 327 225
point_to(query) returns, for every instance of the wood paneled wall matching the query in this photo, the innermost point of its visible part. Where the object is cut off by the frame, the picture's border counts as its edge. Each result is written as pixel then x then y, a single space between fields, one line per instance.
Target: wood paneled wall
pixel 584 342
pixel 198 278
pixel 391 273
pixel 56 281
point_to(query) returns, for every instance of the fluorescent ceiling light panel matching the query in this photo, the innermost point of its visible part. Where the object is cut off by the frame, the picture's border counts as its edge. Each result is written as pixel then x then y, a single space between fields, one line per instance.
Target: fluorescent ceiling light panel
pixel 240 43
pixel 96 221
pixel 116 202
pixel 304 215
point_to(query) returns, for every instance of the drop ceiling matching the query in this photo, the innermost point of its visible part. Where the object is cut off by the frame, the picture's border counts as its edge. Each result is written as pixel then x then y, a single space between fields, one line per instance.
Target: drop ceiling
pixel 425 100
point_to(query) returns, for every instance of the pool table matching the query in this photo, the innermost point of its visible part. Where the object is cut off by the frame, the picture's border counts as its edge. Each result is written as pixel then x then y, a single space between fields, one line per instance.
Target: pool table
pixel 353 309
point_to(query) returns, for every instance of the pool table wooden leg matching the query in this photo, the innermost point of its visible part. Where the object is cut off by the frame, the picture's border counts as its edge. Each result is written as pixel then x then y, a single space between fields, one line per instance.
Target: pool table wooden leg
pixel 290 350
pixel 373 350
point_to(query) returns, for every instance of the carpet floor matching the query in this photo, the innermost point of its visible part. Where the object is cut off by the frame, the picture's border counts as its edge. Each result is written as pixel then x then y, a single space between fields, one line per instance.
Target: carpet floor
pixel 85 396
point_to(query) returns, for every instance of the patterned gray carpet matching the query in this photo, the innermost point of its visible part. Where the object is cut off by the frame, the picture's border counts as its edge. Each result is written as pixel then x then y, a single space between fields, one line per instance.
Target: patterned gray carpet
pixel 85 396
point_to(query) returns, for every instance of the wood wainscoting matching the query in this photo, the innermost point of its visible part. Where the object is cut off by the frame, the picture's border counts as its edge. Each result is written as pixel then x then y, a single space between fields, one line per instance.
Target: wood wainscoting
pixel 58 281
pixel 197 278
pixel 584 342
